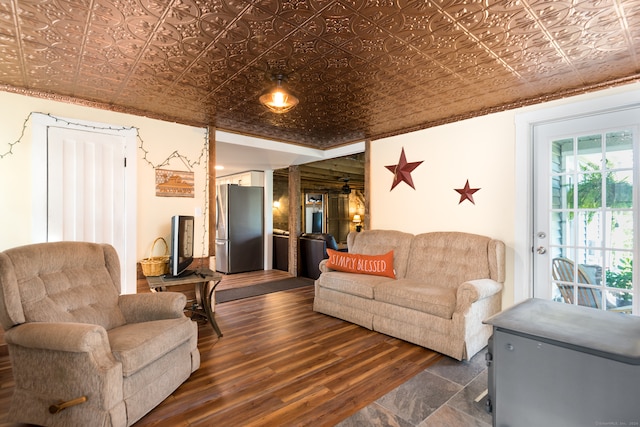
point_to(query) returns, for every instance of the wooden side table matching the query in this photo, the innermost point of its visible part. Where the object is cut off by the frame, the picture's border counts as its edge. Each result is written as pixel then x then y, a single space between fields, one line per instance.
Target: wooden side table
pixel 205 282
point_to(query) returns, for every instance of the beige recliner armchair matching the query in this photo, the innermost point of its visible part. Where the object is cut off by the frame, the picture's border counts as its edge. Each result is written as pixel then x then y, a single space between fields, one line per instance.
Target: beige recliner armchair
pixel 73 340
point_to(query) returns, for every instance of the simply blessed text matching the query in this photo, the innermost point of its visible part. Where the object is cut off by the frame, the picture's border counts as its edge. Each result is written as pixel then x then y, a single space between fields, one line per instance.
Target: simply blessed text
pixel 359 264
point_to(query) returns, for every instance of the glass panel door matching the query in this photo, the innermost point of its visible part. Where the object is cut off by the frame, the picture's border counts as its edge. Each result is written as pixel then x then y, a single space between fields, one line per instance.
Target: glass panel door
pixel 585 211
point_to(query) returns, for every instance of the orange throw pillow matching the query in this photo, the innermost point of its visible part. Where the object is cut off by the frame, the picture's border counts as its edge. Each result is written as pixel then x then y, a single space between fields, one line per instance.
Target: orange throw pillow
pixel 377 265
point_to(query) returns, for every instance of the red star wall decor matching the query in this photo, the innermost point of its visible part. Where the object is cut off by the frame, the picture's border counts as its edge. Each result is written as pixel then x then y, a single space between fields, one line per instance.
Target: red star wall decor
pixel 466 193
pixel 402 171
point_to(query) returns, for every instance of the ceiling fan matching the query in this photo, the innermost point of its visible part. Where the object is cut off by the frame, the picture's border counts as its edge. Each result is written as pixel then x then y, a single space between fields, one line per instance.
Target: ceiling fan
pixel 345 188
pixel 333 189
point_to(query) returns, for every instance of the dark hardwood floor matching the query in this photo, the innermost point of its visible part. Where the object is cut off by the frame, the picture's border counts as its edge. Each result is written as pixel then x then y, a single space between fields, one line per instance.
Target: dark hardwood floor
pixel 278 364
pixel 231 281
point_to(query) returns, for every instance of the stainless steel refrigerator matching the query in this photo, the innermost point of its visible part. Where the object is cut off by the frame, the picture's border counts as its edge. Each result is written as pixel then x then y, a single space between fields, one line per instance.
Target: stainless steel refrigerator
pixel 239 228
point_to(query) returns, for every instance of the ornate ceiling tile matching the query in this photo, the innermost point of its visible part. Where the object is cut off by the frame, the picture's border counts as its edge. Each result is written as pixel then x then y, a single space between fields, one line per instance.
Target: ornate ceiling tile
pixel 361 68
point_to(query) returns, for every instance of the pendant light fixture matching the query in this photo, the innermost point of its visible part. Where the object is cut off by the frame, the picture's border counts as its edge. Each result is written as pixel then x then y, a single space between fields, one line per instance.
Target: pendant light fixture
pixel 279 100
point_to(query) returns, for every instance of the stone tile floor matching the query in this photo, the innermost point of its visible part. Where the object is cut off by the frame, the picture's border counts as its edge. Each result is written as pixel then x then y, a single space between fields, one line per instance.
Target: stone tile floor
pixel 442 395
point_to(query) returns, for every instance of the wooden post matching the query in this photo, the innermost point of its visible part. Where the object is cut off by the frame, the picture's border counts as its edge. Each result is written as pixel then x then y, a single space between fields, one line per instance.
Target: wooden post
pixel 211 176
pixel 295 218
pixel 367 183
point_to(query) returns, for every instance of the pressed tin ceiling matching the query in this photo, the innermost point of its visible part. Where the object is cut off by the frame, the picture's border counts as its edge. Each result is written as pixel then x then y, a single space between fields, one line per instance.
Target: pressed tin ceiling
pixel 363 69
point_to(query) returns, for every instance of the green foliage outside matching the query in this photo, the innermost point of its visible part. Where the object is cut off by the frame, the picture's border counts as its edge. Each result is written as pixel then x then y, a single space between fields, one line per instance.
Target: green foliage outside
pixel 619 192
pixel 618 195
pixel 621 279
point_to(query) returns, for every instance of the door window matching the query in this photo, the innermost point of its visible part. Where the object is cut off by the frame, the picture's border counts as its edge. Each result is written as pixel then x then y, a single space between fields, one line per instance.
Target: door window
pixel 586 210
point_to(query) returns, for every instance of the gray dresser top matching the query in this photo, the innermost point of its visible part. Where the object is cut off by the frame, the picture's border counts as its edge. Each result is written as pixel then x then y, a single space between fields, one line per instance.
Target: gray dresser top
pixel 610 334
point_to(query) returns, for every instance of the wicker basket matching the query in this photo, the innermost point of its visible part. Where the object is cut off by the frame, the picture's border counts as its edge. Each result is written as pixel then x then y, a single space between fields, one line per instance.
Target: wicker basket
pixel 156 265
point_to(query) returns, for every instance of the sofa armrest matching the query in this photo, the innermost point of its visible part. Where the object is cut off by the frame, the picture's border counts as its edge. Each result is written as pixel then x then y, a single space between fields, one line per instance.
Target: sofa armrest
pixel 63 361
pixel 138 308
pixel 64 337
pixel 323 266
pixel 475 290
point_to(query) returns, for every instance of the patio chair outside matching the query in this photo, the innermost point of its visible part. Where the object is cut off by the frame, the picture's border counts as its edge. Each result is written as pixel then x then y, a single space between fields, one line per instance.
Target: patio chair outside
pixel 562 269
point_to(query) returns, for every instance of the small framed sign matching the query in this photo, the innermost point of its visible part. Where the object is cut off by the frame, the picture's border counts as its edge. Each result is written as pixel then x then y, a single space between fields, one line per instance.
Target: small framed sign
pixel 174 183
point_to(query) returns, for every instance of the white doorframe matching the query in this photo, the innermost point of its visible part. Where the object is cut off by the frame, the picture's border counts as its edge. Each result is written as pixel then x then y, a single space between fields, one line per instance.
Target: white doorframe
pixel 524 122
pixel 40 123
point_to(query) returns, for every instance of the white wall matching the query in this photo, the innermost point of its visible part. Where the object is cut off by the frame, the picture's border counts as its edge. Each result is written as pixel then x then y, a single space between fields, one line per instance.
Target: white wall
pixel 160 139
pixel 482 150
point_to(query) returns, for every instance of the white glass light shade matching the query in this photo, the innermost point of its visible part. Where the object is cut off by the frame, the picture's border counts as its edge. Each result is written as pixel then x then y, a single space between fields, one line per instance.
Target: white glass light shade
pixel 278 100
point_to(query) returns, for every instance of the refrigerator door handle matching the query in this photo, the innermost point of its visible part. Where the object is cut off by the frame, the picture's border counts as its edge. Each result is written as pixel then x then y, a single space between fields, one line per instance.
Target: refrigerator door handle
pixel 221 215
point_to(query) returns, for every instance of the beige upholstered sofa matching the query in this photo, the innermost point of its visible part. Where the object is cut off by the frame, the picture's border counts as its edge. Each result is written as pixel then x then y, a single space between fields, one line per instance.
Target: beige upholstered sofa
pixel 71 335
pixel 446 284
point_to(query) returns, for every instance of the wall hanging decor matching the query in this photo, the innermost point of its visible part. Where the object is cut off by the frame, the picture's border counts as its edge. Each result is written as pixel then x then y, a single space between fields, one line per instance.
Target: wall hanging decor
pixel 174 183
pixel 402 171
pixel 466 193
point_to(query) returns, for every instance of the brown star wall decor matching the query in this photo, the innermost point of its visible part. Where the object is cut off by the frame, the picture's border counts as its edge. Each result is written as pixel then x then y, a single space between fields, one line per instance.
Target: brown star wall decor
pixel 402 171
pixel 466 193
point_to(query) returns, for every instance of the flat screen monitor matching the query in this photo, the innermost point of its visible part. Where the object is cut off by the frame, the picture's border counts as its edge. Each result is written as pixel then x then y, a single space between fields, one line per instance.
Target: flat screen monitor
pixel 181 244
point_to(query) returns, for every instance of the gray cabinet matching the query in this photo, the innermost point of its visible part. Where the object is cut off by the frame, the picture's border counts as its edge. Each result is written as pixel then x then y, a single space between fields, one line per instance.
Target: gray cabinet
pixel 553 364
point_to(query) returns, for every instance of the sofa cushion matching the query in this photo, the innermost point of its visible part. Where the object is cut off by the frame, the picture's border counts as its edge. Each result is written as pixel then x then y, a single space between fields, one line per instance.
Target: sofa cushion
pixel 136 345
pixel 448 259
pixel 436 300
pixel 66 282
pixel 351 283
pixel 375 265
pixel 374 242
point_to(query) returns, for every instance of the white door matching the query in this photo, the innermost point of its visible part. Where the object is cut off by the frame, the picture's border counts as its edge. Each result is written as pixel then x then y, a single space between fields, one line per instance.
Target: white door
pixel 83 188
pixel 586 210
pixel 86 187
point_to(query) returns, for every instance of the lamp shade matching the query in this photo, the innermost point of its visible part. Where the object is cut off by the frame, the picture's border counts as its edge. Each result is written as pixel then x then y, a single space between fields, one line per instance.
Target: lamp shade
pixel 278 100
pixel 357 219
